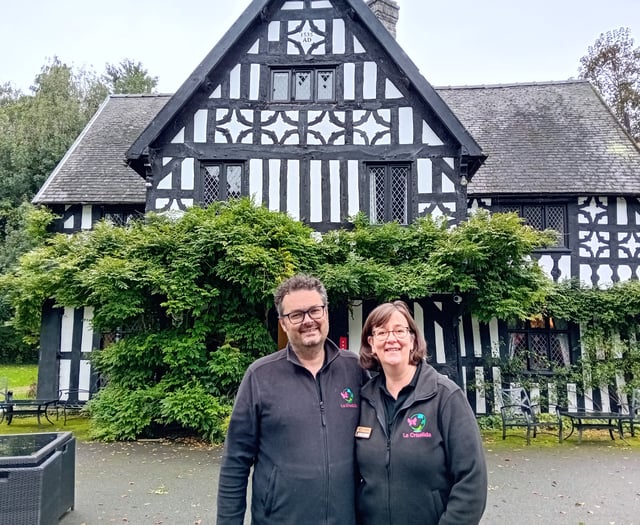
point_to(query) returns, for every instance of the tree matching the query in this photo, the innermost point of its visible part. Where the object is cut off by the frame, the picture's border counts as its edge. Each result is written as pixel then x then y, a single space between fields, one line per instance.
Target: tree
pixel 129 77
pixel 613 66
pixel 190 299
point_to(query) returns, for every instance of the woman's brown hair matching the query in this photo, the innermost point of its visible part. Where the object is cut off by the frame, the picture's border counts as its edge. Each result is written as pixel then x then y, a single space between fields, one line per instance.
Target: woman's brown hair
pixel 379 316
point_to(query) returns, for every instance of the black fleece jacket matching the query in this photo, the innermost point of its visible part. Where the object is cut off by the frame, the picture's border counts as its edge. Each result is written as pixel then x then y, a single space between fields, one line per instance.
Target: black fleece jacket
pixel 297 432
pixel 431 469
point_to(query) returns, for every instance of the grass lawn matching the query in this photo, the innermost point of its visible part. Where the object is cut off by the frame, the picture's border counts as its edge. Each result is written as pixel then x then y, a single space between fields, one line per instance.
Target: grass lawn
pixel 22 379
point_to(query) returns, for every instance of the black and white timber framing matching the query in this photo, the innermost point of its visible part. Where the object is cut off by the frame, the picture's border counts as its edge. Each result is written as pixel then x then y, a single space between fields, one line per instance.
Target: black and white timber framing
pixel 553 148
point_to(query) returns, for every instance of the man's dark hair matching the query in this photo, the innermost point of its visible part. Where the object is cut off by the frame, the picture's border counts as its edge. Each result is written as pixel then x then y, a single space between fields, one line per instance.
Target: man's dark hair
pixel 295 283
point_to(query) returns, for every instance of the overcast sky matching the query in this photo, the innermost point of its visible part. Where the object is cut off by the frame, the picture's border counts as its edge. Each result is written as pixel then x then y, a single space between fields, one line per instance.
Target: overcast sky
pixel 453 42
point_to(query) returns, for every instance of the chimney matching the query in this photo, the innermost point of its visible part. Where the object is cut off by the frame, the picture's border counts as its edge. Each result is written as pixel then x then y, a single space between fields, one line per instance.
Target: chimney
pixel 387 12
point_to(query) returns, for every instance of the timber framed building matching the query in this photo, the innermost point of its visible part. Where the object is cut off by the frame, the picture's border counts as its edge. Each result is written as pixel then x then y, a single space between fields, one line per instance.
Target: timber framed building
pixel 313 108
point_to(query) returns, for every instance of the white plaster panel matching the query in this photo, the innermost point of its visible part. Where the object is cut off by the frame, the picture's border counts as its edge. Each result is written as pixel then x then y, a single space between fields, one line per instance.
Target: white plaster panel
pixel 186 203
pixel 391 91
pixel 321 123
pixel 621 211
pixel 605 275
pixel 447 184
pixel 255 48
pixel 463 347
pixel 87 219
pixel 429 136
pixel 234 82
pixel 66 330
pixel 334 177
pixel 238 125
pixel 162 203
pixel 450 162
pixel 68 224
pixel 217 92
pixel 629 245
pixel 481 399
pixel 86 345
pixel 255 180
pixel 187 174
pixel 585 273
pixel 339 37
pixel 477 343
pixel 274 184
pixel 425 176
pixel 349 81
pixel 321 4
pixel 166 183
pixel 354 194
pixel 64 373
pixel 280 127
pixel 274 31
pixel 200 126
pixel 254 85
pixel 293 189
pixel 292 6
pixel 315 191
pixel 494 337
pixel 592 211
pixel 439 338
pixel 179 138
pixel 355 327
pixel 370 80
pixel 564 265
pixel 84 379
pixel 357 46
pixel 166 160
pixel 405 117
pixel 624 272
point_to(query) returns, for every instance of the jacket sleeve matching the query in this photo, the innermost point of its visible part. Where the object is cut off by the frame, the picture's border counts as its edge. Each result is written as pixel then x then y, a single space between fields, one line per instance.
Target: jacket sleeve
pixel 240 449
pixel 466 462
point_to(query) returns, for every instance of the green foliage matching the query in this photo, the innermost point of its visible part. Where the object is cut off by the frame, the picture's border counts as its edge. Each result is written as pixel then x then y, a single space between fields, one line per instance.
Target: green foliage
pixel 129 77
pixel 188 300
pixel 486 258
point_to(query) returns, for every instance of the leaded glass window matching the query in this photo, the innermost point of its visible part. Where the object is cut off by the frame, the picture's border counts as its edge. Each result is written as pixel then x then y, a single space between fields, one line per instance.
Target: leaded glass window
pixel 221 182
pixel 389 193
pixel 543 217
pixel 542 343
pixel 302 85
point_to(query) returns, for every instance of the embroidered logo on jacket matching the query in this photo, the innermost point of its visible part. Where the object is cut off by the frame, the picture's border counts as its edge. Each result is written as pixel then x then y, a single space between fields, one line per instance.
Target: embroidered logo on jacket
pixel 416 423
pixel 347 399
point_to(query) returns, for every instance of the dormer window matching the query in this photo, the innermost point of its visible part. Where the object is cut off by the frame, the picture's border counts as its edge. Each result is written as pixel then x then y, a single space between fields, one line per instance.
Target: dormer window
pixel 303 85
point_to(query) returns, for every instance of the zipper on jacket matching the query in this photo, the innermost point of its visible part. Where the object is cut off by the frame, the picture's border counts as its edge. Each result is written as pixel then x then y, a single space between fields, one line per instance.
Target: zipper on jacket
pixel 327 474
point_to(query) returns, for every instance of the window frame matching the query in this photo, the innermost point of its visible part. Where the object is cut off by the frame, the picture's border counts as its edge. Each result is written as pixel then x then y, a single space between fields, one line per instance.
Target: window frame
pixel 545 327
pixel 291 96
pixel 519 208
pixel 388 196
pixel 223 184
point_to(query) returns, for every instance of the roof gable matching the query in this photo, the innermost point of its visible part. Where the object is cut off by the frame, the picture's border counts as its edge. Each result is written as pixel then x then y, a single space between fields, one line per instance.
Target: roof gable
pixel 260 12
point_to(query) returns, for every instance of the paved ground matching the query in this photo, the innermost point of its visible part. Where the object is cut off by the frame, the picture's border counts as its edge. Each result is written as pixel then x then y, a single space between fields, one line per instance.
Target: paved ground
pixel 156 483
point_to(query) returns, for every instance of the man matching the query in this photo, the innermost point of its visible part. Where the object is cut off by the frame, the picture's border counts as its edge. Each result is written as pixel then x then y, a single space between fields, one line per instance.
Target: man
pixel 294 421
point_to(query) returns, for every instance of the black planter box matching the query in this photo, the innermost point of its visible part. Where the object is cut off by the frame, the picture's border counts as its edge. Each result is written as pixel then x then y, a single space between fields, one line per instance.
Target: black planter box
pixel 37 477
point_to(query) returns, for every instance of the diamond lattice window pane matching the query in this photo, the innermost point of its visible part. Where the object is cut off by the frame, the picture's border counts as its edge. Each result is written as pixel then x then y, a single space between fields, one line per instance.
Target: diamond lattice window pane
pixel 399 181
pixel 555 221
pixel 303 85
pixel 325 85
pixel 533 216
pixel 211 184
pixel 538 352
pixel 234 182
pixel 559 349
pixel 376 196
pixel 280 85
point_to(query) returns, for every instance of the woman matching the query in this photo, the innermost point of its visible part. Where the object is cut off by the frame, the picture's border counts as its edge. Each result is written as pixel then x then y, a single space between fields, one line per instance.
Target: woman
pixel 418 445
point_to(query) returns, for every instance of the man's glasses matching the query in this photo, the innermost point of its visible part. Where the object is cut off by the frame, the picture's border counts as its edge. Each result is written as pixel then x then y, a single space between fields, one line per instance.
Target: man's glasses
pixel 383 335
pixel 315 312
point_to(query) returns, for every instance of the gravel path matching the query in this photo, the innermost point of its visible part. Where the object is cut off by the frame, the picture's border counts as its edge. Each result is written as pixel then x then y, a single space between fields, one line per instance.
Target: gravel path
pixel 158 483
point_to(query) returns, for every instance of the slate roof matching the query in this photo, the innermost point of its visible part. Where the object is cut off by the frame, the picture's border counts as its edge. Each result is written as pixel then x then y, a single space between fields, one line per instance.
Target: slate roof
pixel 94 170
pixel 546 138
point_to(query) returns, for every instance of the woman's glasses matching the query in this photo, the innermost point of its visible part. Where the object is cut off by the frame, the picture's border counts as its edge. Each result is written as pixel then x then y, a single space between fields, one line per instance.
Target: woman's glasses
pixel 399 333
